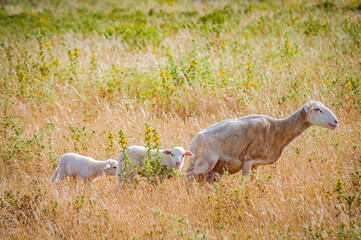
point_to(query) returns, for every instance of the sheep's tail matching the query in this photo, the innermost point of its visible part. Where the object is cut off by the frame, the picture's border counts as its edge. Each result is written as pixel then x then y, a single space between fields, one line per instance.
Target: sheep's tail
pixel 120 158
pixel 55 175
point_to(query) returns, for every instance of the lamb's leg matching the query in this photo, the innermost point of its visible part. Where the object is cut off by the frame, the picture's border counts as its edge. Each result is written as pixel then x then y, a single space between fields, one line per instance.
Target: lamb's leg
pixel 64 171
pixel 62 175
pixel 120 168
pixel 124 176
pixel 55 175
pixel 87 184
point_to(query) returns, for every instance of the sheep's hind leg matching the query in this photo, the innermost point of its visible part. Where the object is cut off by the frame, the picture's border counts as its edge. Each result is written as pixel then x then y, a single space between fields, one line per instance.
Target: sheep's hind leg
pixel 213 176
pixel 204 167
pixel 189 172
pixel 192 163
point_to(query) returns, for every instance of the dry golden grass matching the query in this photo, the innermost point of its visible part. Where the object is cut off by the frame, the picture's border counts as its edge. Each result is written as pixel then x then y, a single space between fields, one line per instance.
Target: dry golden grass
pixel 301 197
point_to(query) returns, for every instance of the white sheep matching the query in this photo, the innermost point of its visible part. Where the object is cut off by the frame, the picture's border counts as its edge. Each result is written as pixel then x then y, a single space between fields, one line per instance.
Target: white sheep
pixel 171 158
pixel 75 165
pixel 251 141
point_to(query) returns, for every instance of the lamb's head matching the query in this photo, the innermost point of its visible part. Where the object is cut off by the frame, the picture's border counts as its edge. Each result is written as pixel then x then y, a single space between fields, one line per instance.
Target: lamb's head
pixel 110 167
pixel 177 156
pixel 318 114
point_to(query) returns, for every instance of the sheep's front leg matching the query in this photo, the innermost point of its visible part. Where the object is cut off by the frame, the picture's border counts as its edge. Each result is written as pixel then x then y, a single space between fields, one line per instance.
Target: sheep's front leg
pixel 246 168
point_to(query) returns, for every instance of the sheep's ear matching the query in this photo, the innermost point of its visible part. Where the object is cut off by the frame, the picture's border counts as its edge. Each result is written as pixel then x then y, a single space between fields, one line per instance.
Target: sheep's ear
pixel 189 154
pixel 308 107
pixel 106 166
pixel 167 151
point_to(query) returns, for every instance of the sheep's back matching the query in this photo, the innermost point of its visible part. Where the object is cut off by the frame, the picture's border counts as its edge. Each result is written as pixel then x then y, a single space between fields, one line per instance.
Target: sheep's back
pixel 232 137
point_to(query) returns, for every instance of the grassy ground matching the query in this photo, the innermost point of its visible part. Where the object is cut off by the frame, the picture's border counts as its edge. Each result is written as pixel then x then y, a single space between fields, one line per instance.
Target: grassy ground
pixel 74 74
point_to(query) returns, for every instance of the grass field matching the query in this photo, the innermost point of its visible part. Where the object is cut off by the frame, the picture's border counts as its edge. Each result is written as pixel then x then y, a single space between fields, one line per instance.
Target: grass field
pixel 75 73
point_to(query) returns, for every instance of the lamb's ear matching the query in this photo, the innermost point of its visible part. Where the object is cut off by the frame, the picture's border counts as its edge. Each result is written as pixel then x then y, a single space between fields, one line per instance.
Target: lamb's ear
pixel 308 107
pixel 106 166
pixel 189 154
pixel 167 151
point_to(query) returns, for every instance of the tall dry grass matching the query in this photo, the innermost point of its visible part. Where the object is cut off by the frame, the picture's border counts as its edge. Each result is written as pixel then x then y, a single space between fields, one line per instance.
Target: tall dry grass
pixel 312 192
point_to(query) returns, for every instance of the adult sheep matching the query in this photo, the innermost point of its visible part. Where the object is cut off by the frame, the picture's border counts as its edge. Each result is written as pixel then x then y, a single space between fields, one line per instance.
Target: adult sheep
pixel 251 141
pixel 76 165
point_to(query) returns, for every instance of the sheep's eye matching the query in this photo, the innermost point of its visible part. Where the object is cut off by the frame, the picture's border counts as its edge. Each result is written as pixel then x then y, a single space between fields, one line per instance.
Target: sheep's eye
pixel 172 155
pixel 183 155
pixel 317 109
pixel 114 167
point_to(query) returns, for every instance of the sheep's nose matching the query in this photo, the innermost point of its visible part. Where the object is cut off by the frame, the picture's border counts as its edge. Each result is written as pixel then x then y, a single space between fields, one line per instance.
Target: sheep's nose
pixel 178 164
pixel 335 121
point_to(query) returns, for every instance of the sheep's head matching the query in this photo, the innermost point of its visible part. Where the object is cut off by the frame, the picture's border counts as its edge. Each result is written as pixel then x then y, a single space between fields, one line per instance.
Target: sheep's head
pixel 110 167
pixel 177 156
pixel 318 114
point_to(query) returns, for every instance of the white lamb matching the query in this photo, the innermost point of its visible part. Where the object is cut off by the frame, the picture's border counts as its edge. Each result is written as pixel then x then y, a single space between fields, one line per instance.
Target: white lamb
pixel 75 165
pixel 251 141
pixel 171 158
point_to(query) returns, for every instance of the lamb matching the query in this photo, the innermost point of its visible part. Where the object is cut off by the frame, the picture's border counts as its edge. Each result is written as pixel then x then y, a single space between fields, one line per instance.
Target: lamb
pixel 251 141
pixel 73 165
pixel 171 158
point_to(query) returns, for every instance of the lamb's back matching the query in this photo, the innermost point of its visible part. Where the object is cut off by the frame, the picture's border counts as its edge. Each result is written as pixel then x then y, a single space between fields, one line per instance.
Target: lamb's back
pixel 76 164
pixel 137 154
